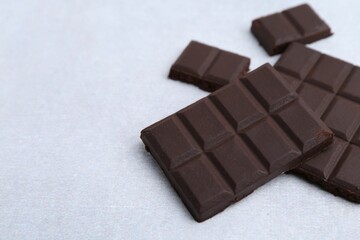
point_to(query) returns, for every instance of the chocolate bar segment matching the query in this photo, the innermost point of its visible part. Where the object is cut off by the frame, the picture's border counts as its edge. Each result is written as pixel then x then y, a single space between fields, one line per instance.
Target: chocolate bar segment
pixel 331 87
pixel 298 24
pixel 208 67
pixel 224 146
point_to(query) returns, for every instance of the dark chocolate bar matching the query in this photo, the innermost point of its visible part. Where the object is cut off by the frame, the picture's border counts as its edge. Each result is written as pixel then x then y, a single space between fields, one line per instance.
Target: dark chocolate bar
pixel 208 67
pixel 299 24
pixel 221 148
pixel 331 87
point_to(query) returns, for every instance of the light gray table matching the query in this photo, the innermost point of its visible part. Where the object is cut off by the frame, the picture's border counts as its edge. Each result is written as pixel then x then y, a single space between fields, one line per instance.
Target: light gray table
pixel 79 80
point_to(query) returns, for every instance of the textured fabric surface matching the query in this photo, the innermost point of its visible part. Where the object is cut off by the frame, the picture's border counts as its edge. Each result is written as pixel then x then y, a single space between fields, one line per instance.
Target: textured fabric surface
pixel 79 80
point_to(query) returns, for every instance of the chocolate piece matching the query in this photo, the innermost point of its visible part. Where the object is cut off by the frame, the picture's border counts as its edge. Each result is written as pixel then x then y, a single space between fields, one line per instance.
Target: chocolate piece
pixel 299 24
pixel 224 146
pixel 207 67
pixel 331 87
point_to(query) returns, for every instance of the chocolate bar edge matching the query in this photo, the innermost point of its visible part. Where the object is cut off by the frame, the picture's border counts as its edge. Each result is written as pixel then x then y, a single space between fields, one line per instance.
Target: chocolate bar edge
pixel 200 83
pixel 274 50
pixel 221 207
pixel 325 185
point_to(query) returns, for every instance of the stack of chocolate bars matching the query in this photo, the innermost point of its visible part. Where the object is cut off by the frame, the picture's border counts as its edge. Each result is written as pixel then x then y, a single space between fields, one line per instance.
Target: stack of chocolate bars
pixel 301 115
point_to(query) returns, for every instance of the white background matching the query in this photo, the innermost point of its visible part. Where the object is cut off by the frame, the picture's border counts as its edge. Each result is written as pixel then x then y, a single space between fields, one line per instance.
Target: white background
pixel 79 80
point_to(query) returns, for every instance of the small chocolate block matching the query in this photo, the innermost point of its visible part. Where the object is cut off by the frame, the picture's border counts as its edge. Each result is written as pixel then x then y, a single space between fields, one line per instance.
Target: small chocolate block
pixel 208 67
pixel 331 87
pixel 299 24
pixel 221 148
